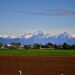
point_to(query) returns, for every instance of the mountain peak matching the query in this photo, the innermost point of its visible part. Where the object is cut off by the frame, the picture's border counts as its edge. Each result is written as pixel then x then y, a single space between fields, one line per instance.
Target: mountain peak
pixel 65 34
pixel 38 32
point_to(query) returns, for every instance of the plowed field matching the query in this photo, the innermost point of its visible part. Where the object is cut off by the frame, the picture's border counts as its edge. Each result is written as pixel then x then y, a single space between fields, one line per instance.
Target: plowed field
pixel 37 65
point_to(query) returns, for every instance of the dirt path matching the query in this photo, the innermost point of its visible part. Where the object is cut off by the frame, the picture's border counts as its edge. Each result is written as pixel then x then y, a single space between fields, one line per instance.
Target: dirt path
pixel 37 65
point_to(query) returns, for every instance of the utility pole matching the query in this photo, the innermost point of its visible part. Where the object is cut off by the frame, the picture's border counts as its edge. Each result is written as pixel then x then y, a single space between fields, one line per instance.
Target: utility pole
pixel 20 72
pixel 61 74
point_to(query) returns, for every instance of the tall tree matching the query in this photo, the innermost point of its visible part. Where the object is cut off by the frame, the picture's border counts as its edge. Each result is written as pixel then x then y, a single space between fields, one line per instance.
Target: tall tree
pixel 36 46
pixel 27 46
pixel 1 45
pixel 66 46
pixel 49 45
pixel 16 44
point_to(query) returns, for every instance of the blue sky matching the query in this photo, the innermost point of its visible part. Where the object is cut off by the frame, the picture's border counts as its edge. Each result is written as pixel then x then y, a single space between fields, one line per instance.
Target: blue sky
pixel 21 16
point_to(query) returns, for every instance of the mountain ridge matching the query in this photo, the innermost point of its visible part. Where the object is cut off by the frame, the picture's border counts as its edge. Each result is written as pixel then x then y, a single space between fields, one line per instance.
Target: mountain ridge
pixel 39 37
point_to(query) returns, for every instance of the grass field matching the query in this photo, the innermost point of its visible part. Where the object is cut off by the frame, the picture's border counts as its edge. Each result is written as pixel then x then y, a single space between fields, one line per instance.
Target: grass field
pixel 36 52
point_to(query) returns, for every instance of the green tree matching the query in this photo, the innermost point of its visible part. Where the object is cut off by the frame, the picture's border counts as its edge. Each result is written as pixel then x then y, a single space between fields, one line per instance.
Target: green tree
pixel 66 46
pixel 27 46
pixel 1 45
pixel 36 46
pixel 15 45
pixel 73 47
pixel 55 46
pixel 6 46
pixel 49 45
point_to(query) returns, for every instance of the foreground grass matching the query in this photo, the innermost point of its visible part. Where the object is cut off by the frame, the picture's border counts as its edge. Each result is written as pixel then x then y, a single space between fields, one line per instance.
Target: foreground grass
pixel 36 52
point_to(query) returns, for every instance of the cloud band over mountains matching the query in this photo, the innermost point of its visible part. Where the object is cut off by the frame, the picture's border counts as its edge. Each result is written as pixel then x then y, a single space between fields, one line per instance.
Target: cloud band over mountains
pixel 57 12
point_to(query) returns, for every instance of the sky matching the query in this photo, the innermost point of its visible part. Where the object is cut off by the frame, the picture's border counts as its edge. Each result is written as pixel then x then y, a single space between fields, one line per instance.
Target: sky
pixel 25 16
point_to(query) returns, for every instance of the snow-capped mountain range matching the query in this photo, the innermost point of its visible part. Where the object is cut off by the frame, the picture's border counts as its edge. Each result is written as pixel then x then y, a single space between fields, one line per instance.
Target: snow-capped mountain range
pixel 39 37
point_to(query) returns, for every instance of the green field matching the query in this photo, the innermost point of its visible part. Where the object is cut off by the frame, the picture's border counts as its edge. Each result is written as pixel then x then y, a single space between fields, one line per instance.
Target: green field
pixel 36 52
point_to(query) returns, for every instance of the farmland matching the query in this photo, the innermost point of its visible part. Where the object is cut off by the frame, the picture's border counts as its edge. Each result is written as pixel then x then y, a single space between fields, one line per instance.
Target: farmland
pixel 36 52
pixel 37 65
pixel 37 62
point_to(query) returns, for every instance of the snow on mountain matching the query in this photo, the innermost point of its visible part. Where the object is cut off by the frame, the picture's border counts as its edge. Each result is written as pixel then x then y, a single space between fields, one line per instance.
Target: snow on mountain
pixel 8 36
pixel 26 35
pixel 38 34
pixel 73 36
pixel 39 37
pixel 65 35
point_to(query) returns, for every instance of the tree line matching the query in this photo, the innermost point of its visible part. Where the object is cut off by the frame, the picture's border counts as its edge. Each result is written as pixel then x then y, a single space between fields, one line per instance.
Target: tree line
pixel 17 45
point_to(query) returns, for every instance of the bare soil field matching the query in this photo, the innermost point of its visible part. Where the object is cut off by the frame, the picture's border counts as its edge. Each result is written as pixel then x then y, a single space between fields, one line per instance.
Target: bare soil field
pixel 37 65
